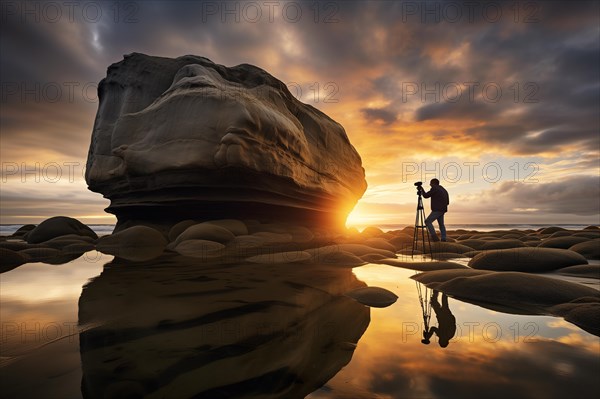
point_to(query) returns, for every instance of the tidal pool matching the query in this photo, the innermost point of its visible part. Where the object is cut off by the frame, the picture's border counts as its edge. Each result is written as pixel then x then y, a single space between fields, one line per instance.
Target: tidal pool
pixel 100 328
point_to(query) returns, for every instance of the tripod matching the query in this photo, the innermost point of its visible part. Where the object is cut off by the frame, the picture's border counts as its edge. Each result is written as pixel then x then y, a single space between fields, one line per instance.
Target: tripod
pixel 420 224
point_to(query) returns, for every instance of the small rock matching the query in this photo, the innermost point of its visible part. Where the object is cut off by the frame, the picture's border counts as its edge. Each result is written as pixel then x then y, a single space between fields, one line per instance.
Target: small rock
pixel 179 228
pixel 137 243
pixel 78 248
pixel 589 249
pixel 592 271
pixel 502 244
pixel 373 296
pixel 473 243
pixel 551 230
pixel 560 234
pixel 200 249
pixel 562 242
pixel 372 231
pixel 280 257
pixel 342 258
pixel 205 231
pixel 536 260
pixel 23 230
pixel 380 243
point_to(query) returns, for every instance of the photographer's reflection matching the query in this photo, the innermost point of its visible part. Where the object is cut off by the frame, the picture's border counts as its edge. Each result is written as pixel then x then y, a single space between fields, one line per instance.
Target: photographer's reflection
pixel 446 328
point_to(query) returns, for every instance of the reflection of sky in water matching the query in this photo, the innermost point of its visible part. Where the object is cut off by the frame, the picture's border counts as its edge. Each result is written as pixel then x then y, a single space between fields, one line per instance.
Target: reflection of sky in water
pixel 39 336
pixel 492 355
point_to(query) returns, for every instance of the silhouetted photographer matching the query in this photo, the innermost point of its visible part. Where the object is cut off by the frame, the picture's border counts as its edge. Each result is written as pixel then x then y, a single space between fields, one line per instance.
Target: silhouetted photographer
pixel 446 328
pixel 439 206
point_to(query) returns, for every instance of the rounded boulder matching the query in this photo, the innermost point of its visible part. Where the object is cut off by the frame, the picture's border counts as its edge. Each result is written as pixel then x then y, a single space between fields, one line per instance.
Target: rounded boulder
pixel 137 243
pixel 206 231
pixel 589 249
pixel 527 259
pixel 561 242
pixel 58 226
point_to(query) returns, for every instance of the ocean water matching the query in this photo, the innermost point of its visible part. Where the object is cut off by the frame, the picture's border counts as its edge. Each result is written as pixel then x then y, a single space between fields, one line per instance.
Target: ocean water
pixel 103 229
pixel 98 327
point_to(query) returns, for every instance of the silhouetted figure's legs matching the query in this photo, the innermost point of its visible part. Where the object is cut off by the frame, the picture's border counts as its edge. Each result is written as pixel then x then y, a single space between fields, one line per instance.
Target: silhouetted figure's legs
pixel 439 216
pixel 442 227
pixel 446 321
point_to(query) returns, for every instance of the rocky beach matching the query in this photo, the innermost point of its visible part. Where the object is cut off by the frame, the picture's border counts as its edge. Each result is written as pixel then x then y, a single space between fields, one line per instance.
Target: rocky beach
pixel 212 283
pixel 505 270
pixel 230 271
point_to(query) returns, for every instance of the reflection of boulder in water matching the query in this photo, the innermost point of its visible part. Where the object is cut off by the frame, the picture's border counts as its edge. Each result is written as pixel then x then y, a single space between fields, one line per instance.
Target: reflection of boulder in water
pixel 175 329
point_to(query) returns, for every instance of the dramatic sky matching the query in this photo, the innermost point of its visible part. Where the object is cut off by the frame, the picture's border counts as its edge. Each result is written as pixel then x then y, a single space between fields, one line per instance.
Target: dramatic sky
pixel 499 99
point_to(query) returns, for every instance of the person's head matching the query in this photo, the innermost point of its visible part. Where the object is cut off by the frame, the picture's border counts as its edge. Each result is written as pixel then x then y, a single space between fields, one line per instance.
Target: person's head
pixel 434 182
pixel 443 343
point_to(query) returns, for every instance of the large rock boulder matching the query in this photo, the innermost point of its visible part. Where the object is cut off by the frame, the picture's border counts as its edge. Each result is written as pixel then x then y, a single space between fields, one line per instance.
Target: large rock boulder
pixel 186 138
pixel 58 226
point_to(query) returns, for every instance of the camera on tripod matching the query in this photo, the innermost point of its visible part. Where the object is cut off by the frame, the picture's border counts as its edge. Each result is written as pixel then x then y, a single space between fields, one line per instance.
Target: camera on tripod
pixel 419 186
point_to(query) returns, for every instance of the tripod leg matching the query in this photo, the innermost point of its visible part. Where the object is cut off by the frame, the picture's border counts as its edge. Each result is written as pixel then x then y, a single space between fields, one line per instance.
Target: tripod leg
pixel 415 231
pixel 423 232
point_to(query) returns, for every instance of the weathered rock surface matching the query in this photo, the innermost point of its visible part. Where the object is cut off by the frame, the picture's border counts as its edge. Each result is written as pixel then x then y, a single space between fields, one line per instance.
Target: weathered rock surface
pixel 592 271
pixel 535 260
pixel 138 243
pixel 589 249
pixel 186 138
pixel 58 226
pixel 562 242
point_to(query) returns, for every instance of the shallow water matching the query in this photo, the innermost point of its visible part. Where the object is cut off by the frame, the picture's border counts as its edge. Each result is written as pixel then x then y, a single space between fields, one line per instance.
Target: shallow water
pixel 171 328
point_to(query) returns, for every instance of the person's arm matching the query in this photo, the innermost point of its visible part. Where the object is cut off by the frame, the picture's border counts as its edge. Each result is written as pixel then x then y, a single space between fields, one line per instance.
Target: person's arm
pixel 424 193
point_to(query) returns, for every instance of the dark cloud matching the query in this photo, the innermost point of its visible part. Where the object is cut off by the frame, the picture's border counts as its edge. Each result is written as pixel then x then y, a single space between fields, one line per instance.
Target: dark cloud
pixel 379 115
pixel 514 373
pixel 464 108
pixel 578 195
pixel 500 373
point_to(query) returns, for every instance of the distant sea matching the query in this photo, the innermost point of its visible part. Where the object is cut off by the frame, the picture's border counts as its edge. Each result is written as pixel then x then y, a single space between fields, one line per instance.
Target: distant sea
pixel 486 227
pixel 103 229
